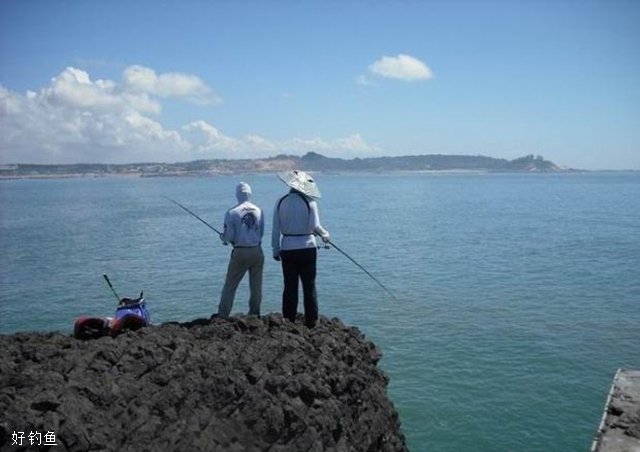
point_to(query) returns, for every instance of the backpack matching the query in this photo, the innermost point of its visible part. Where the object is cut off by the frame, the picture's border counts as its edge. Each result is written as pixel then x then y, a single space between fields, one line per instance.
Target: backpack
pixel 306 201
pixel 131 314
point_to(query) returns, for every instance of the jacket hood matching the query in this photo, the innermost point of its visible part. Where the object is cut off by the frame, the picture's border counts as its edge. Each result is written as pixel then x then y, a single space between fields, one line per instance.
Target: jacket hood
pixel 243 192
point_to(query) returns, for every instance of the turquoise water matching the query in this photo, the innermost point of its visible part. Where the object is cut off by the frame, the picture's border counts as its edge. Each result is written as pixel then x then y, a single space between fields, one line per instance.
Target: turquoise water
pixel 518 294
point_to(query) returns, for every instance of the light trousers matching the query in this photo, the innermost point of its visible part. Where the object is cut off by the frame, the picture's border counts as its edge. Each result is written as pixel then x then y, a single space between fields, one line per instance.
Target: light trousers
pixel 241 261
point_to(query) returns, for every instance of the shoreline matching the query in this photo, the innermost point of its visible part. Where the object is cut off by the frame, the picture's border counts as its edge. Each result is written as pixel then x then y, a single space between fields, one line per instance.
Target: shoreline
pixel 200 174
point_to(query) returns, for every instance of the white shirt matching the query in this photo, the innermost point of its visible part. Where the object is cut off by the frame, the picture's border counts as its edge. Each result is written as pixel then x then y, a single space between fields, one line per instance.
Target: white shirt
pixel 295 222
pixel 244 225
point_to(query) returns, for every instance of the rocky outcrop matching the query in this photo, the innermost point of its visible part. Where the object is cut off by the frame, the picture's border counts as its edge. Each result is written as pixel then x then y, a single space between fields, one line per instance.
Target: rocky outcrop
pixel 620 427
pixel 244 384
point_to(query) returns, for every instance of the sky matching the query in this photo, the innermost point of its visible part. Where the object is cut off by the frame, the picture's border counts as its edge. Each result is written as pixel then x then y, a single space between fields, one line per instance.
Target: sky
pixel 117 81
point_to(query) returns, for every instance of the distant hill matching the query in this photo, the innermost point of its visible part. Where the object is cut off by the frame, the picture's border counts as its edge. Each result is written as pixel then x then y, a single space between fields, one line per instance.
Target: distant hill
pixel 310 162
pixel 433 162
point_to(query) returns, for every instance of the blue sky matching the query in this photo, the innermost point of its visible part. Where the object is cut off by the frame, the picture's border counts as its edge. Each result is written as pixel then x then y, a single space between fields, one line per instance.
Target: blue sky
pixel 125 81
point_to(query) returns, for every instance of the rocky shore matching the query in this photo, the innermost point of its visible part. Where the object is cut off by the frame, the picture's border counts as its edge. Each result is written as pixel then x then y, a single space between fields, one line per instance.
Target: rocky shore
pixel 243 384
pixel 620 427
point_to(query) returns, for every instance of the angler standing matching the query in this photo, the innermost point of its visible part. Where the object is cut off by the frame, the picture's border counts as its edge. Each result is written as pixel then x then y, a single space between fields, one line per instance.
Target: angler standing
pixel 295 224
pixel 243 228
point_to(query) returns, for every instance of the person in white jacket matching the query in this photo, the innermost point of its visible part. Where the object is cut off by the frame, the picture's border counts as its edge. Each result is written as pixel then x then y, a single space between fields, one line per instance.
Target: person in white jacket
pixel 243 228
pixel 296 222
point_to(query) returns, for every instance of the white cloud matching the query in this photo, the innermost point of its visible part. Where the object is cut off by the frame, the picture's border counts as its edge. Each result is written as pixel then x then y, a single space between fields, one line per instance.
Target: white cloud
pixel 351 146
pixel 74 88
pixel 364 80
pixel 172 84
pixel 75 119
pixel 205 138
pixel 259 143
pixel 402 67
pixel 355 144
pixel 208 140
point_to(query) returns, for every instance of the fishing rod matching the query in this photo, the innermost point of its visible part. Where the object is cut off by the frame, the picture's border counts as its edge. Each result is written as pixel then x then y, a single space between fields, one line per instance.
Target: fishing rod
pixel 191 213
pixel 106 278
pixel 363 269
pixel 330 242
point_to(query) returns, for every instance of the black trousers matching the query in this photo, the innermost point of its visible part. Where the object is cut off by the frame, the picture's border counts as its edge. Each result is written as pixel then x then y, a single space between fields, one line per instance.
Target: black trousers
pixel 300 265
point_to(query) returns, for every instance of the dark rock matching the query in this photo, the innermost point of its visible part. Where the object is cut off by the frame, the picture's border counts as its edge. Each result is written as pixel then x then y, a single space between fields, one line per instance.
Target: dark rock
pixel 245 383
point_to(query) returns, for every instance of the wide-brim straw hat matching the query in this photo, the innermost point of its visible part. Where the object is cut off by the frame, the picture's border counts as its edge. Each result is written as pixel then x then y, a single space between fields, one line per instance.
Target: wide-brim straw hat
pixel 300 181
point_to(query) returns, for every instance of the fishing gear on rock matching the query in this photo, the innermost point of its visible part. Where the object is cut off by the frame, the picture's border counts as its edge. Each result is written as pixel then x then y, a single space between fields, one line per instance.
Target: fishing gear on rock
pixel 131 314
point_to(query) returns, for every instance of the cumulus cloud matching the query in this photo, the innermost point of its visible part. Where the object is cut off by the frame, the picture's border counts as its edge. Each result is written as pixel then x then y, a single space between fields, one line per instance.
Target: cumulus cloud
pixel 73 88
pixel 351 146
pixel 208 140
pixel 401 67
pixel 75 119
pixel 172 84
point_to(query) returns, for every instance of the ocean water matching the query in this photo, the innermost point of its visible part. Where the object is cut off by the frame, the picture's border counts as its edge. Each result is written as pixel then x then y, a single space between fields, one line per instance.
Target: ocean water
pixel 518 294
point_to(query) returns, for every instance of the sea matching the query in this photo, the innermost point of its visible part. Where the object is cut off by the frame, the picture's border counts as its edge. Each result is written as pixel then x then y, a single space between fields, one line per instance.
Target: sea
pixel 516 295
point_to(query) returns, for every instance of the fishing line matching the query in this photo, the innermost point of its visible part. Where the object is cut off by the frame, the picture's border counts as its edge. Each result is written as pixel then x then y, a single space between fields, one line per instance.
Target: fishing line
pixel 191 213
pixel 363 269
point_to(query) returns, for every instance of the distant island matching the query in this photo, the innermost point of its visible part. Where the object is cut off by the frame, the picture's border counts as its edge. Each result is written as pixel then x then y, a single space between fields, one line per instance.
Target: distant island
pixel 310 162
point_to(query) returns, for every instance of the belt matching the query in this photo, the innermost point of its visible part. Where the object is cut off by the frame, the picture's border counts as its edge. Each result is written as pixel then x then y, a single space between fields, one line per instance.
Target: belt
pixel 297 235
pixel 253 246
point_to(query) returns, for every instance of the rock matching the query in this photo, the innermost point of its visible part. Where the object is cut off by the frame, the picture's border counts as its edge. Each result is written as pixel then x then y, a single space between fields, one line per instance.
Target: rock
pixel 619 429
pixel 246 384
